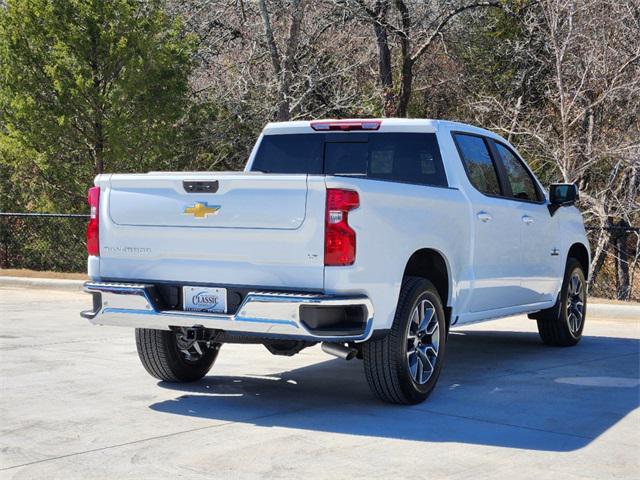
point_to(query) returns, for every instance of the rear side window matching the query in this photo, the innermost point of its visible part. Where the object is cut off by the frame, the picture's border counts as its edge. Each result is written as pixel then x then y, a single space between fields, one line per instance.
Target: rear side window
pixel 522 184
pixel 402 157
pixel 478 164
pixel 289 154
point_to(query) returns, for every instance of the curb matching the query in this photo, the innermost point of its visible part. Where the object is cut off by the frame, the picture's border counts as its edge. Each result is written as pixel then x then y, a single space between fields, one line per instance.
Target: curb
pixel 49 283
pixel 598 310
pixel 613 311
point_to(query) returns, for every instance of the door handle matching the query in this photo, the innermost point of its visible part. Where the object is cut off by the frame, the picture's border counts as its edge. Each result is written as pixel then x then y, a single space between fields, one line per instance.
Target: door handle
pixel 527 219
pixel 484 216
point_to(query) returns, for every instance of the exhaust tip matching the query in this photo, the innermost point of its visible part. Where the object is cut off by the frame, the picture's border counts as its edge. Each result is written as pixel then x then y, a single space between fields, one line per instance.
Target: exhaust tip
pixel 339 350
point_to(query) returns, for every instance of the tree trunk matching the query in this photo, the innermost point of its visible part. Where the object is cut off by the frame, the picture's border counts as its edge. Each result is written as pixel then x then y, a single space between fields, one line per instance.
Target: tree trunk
pixel 406 82
pixel 268 33
pixel 96 77
pixel 284 113
pixel 385 75
pixel 599 255
pixel 623 288
pixel 406 72
pixel 98 147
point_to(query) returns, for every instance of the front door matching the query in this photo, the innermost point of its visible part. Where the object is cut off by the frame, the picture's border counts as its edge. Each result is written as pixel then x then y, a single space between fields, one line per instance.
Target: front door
pixel 541 256
pixel 540 268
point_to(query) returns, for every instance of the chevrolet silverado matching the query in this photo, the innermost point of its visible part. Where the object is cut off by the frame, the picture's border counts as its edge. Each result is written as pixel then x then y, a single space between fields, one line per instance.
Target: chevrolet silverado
pixel 371 237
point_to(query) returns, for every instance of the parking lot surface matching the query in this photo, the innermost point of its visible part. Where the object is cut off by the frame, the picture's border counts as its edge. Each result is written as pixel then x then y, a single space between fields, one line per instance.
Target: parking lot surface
pixel 76 403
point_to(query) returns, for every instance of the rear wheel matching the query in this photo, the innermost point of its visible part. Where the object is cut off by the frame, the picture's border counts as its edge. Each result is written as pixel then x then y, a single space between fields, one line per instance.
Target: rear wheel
pixel 562 324
pixel 404 366
pixel 175 356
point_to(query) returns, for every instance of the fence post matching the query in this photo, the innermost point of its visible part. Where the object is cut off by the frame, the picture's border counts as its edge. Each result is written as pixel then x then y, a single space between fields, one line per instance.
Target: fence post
pixel 4 257
pixel 623 289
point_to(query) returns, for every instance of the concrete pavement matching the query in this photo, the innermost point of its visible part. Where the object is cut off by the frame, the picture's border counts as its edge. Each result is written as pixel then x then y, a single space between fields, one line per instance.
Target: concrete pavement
pixel 75 403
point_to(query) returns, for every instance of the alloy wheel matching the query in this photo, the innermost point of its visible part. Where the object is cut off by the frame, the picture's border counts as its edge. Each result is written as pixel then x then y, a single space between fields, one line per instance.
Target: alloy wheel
pixel 575 303
pixel 423 341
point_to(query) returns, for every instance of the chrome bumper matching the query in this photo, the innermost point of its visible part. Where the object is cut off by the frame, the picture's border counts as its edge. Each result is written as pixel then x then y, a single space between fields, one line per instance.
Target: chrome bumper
pixel 262 314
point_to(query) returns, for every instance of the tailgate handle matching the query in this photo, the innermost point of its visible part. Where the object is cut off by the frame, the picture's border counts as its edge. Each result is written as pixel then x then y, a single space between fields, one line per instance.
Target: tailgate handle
pixel 200 187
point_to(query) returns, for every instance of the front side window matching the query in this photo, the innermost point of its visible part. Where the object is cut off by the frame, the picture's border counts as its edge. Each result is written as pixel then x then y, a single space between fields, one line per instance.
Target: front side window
pixel 522 184
pixel 478 164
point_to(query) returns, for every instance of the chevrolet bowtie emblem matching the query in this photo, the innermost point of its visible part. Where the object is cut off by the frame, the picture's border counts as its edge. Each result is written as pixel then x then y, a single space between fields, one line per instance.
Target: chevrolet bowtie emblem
pixel 201 210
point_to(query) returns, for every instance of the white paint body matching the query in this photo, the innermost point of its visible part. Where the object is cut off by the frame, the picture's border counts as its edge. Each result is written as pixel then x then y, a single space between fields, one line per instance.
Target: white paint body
pixel 269 233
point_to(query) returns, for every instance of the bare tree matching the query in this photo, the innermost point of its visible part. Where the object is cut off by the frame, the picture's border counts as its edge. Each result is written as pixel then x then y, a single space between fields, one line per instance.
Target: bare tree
pixel 415 26
pixel 279 59
pixel 283 65
pixel 583 124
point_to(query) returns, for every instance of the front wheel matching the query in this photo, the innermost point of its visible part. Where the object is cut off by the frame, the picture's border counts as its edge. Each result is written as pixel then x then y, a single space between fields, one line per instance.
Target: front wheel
pixel 562 324
pixel 175 356
pixel 404 366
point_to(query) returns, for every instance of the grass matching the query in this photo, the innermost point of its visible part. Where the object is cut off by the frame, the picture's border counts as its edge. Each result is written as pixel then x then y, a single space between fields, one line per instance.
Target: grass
pixel 22 272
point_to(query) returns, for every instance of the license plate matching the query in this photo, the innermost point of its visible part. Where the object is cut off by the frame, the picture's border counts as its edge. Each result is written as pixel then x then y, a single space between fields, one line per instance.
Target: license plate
pixel 204 299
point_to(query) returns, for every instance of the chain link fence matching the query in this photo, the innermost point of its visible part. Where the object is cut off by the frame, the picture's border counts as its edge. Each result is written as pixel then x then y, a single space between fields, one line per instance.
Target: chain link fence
pixel 615 263
pixel 43 241
pixel 56 242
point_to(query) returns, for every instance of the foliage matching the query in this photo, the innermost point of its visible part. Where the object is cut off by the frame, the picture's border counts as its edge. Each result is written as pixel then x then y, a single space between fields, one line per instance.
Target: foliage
pixel 88 86
pixel 138 85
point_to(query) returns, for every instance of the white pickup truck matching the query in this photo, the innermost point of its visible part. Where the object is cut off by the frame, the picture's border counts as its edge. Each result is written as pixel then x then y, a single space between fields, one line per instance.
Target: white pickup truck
pixel 373 237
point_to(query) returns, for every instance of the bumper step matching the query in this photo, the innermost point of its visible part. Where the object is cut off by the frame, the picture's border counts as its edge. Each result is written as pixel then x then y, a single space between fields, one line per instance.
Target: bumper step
pixel 263 314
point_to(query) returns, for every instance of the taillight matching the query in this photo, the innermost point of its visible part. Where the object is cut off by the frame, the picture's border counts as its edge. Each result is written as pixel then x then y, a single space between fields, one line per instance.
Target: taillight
pixel 339 237
pixel 93 230
pixel 345 125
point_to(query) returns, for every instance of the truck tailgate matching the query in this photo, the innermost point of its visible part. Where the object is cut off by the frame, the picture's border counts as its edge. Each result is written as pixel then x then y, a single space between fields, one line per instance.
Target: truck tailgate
pixel 224 228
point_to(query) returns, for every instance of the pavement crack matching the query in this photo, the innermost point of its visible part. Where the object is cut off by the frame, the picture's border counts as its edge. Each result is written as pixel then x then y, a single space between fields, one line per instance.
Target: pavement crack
pixel 67 342
pixel 505 424
pixel 147 439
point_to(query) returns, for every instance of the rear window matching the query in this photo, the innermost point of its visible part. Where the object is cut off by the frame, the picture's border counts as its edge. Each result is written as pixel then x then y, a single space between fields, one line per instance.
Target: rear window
pixel 401 157
pixel 300 153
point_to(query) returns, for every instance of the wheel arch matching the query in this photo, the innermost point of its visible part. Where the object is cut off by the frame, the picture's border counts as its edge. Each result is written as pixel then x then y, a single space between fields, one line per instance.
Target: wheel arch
pixel 432 264
pixel 581 253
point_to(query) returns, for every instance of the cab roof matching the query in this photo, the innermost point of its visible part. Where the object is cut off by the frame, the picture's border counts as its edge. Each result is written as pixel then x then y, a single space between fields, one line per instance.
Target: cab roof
pixel 416 125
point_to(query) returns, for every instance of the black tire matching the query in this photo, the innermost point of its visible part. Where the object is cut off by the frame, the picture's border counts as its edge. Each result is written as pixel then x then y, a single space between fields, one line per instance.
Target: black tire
pixel 556 325
pixel 387 361
pixel 162 358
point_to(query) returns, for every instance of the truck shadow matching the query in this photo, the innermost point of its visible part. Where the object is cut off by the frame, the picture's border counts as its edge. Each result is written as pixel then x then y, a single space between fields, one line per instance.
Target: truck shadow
pixel 498 388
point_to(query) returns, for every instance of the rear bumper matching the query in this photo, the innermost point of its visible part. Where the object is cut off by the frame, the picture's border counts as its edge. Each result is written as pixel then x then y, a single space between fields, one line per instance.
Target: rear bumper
pixel 260 314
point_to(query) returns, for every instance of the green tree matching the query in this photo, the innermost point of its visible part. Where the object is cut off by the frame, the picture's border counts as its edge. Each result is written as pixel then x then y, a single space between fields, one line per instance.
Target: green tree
pixel 88 86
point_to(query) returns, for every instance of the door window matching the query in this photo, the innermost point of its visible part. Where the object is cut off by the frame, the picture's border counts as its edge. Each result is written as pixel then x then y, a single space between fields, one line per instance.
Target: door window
pixel 478 164
pixel 522 184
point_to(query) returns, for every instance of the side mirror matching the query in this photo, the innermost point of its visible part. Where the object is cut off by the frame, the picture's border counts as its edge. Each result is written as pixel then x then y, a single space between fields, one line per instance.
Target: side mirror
pixel 562 195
